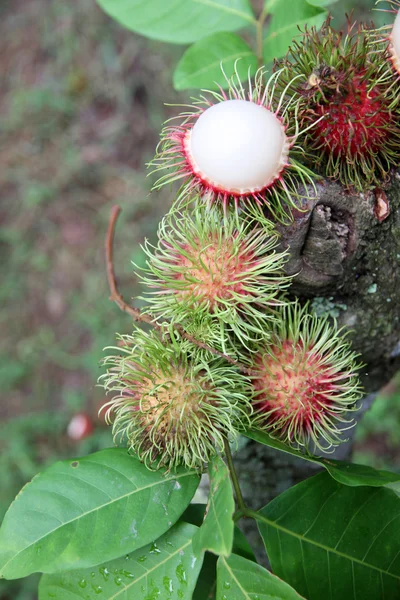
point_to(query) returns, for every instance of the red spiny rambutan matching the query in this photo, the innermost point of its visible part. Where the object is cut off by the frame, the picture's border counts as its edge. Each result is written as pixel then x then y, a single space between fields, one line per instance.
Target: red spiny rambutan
pixel 236 147
pixel 350 97
pixel 304 380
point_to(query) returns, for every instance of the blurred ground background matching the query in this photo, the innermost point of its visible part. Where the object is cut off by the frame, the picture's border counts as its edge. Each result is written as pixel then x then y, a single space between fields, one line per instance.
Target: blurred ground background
pixel 82 103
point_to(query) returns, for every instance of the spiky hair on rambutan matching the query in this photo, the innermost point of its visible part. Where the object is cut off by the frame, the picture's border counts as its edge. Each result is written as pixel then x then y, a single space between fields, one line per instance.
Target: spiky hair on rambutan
pixel 237 147
pixel 172 406
pixel 305 381
pixel 216 274
pixel 349 83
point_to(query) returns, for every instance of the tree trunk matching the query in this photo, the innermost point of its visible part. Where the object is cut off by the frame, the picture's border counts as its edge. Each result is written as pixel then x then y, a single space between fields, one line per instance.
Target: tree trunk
pixel 345 250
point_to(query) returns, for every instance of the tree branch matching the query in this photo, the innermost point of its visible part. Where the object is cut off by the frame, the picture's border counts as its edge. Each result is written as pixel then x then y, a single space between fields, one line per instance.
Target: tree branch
pixel 135 313
pixel 115 296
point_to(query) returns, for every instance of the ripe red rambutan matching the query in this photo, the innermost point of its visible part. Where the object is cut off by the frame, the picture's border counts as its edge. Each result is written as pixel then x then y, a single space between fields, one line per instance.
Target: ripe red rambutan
pixel 80 426
pixel 305 381
pixel 348 84
pixel 236 147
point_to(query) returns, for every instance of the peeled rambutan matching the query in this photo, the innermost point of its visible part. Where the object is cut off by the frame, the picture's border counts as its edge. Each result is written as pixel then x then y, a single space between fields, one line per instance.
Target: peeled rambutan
pixel 216 274
pixel 394 37
pixel 350 96
pixel 236 147
pixel 172 406
pixel 305 381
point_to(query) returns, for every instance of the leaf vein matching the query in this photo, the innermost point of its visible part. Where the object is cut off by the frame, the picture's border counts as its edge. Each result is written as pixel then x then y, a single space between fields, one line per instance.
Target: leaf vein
pixel 156 566
pixel 96 508
pixel 289 532
pixel 211 65
pixel 228 9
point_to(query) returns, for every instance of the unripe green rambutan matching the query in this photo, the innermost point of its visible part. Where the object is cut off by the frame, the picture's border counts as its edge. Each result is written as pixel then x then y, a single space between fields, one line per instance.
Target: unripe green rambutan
pixel 350 97
pixel 236 147
pixel 211 268
pixel 305 381
pixel 173 407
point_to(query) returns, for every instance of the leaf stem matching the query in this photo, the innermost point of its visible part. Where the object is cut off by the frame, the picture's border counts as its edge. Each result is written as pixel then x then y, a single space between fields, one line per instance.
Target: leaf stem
pixel 259 37
pixel 242 508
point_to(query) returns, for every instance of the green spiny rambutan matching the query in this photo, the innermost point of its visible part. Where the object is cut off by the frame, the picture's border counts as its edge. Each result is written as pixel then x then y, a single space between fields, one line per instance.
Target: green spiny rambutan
pixel 216 274
pixel 173 407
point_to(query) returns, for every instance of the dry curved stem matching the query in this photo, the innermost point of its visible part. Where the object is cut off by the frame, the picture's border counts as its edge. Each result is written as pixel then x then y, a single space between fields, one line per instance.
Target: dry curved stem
pixel 135 313
pixel 115 296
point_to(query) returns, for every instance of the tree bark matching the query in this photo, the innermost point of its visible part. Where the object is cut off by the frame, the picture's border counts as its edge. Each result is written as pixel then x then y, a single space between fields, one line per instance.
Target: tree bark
pixel 345 251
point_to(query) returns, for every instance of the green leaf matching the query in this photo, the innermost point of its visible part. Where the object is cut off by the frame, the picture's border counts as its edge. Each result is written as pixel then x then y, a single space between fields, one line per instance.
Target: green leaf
pixel 206 583
pixel 321 3
pixel 200 66
pixel 344 472
pixel 165 569
pixel 241 579
pixel 180 21
pixel 333 541
pixel 80 513
pixel 195 514
pixel 216 533
pixel 287 17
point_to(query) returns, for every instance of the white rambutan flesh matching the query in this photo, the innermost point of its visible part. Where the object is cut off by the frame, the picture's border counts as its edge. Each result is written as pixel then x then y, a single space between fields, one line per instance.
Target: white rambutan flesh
pixel 395 42
pixel 237 146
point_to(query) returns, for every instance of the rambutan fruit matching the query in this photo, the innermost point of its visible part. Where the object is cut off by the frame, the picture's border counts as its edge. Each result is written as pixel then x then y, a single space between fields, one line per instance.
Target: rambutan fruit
pixel 236 147
pixel 349 96
pixel 173 407
pixel 305 381
pixel 216 274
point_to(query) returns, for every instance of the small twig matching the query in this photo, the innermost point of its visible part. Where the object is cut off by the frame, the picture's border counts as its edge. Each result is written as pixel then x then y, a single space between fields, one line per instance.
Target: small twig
pixel 116 297
pixel 135 313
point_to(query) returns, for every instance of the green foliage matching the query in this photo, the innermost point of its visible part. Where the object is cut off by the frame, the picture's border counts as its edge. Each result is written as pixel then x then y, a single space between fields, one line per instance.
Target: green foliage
pixel 58 521
pixel 326 538
pixel 167 568
pixel 322 3
pixel 241 579
pixel 106 526
pixel 209 25
pixel 287 18
pixel 200 66
pixel 216 533
pixel 180 21
pixel 346 473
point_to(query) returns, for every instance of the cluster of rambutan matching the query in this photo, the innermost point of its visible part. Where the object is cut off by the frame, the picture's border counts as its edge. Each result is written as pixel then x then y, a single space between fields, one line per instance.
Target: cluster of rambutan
pixel 349 100
pixel 216 272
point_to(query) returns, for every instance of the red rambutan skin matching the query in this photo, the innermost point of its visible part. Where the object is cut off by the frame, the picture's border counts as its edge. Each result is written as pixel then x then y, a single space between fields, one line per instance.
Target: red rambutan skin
pixel 356 120
pixel 220 274
pixel 294 389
